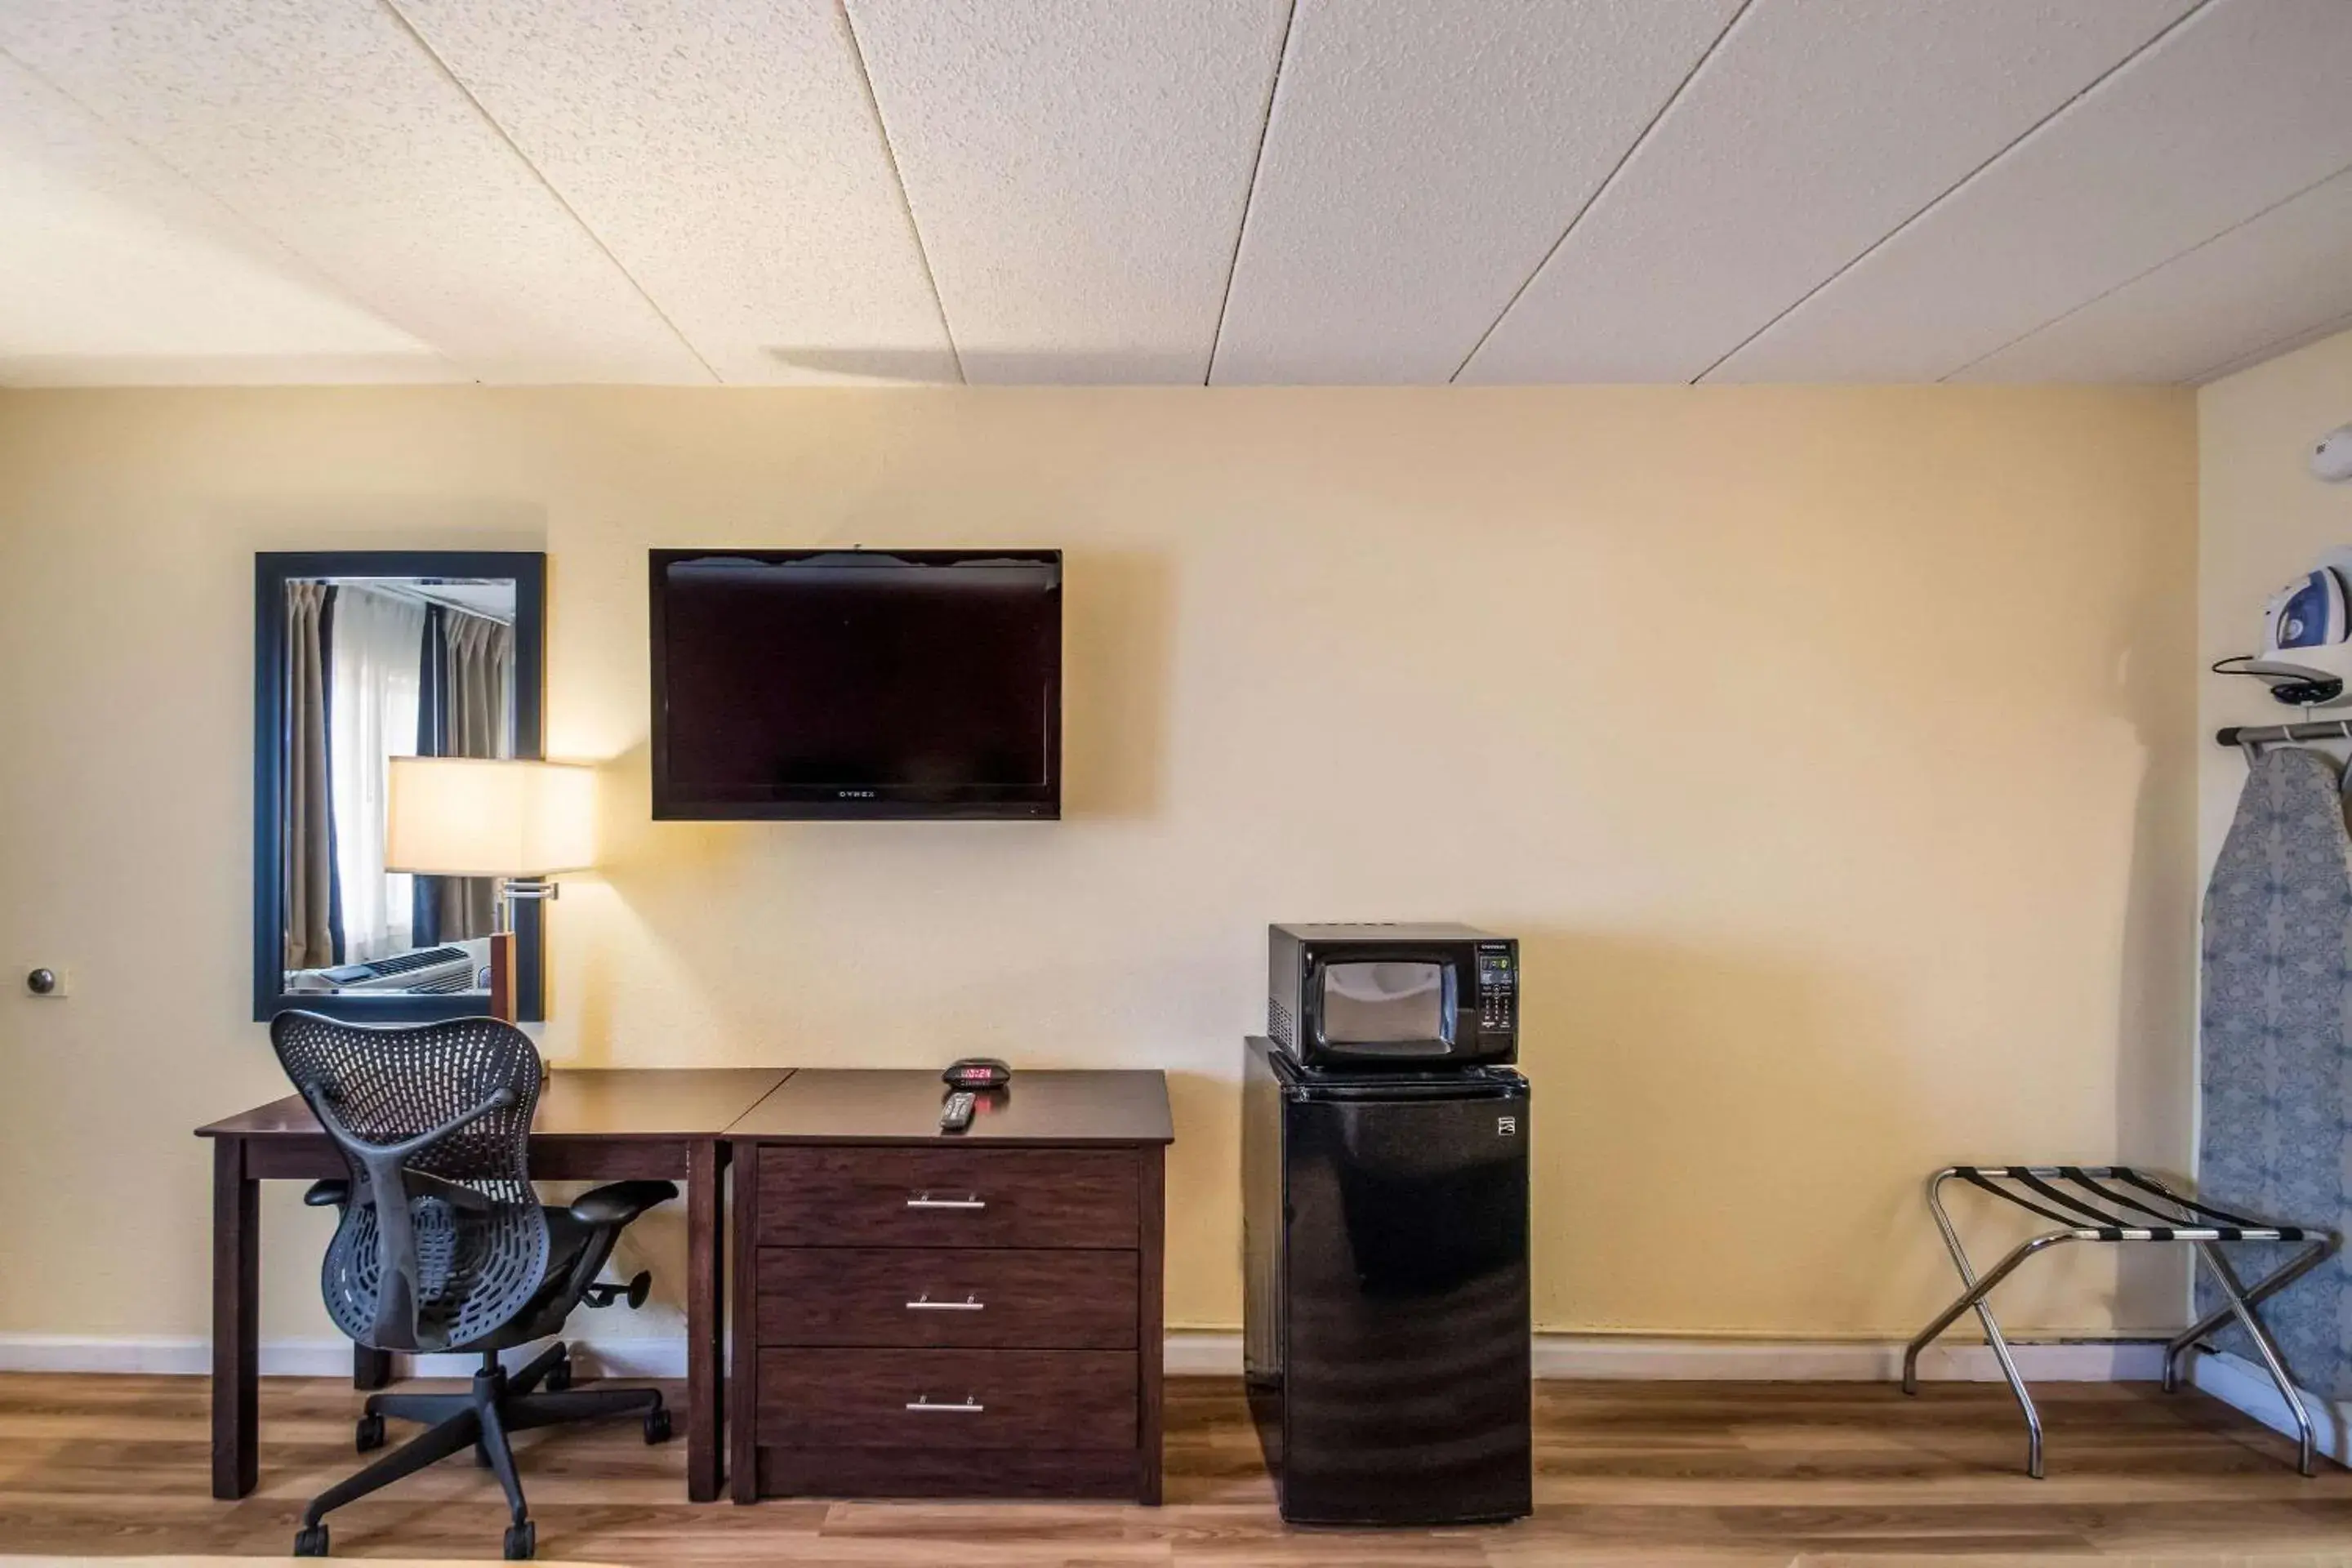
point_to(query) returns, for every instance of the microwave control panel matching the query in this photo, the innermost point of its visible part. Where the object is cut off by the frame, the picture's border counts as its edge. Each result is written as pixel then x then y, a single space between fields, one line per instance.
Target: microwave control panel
pixel 1498 985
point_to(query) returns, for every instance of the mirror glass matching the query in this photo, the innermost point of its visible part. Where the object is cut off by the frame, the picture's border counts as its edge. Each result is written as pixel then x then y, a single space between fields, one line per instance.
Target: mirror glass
pixel 375 667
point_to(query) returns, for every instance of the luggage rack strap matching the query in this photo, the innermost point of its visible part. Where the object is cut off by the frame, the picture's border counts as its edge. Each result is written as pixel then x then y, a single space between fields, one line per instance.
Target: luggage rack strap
pixel 2081 1214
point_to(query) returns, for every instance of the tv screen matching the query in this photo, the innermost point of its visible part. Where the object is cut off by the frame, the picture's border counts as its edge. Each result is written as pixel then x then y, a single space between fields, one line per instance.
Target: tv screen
pixel 844 683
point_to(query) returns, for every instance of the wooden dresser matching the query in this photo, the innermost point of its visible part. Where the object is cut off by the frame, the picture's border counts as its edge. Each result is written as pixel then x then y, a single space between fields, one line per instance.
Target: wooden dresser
pixel 975 1314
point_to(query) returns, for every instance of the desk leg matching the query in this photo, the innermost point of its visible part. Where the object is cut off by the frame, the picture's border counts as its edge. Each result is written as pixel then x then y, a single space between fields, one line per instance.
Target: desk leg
pixel 236 1320
pixel 370 1368
pixel 704 1261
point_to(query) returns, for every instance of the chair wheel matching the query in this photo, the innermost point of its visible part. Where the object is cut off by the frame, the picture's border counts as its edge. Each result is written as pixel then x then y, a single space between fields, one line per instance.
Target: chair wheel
pixel 657 1425
pixel 559 1376
pixel 369 1435
pixel 311 1542
pixel 523 1540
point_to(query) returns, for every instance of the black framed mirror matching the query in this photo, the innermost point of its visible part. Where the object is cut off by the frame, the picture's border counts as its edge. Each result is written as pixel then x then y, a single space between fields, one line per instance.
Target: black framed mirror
pixel 361 657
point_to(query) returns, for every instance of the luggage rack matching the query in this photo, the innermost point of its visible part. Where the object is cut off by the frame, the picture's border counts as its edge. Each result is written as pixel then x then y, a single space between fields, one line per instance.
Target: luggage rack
pixel 2147 1211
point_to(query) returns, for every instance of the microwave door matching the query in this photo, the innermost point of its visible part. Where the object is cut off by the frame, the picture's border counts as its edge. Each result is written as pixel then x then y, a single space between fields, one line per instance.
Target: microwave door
pixel 1388 1006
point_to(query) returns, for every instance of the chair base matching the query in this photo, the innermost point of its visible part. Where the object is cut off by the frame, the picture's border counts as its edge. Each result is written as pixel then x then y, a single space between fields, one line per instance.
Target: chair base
pixel 483 1419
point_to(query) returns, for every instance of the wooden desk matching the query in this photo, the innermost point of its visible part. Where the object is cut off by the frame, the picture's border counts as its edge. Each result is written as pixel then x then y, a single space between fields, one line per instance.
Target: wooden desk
pixel 592 1125
pixel 949 1314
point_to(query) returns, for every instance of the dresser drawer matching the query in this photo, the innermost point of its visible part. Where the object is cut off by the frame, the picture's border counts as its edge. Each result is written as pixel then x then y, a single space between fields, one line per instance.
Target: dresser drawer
pixel 1007 1297
pixel 941 1399
pixel 868 1196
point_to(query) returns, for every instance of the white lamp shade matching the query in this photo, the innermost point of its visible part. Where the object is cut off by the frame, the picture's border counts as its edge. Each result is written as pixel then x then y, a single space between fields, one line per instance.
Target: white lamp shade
pixel 471 817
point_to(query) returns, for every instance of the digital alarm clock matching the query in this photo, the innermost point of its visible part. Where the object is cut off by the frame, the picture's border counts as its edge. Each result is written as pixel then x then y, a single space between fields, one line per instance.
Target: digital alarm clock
pixel 976 1073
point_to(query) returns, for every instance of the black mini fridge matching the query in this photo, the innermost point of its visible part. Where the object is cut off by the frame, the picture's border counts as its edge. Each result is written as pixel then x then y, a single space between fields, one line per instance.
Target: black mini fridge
pixel 1385 1276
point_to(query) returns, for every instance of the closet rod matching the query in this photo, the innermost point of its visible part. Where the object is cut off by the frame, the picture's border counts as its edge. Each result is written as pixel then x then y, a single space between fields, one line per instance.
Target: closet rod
pixel 2274 734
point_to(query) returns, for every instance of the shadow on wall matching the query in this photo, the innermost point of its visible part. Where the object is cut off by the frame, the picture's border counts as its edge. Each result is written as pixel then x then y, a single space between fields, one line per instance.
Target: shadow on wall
pixel 634 852
pixel 688 895
pixel 888 366
pixel 1118 647
pixel 2156 1015
pixel 372 522
pixel 1204 1218
pixel 1654 1062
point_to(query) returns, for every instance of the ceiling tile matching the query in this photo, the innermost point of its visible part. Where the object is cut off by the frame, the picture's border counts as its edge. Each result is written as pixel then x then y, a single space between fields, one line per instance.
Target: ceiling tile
pixel 2267 282
pixel 2276 347
pixel 118 270
pixel 1816 127
pixel 729 155
pixel 1077 171
pixel 1421 161
pixel 2240 106
pixel 326 125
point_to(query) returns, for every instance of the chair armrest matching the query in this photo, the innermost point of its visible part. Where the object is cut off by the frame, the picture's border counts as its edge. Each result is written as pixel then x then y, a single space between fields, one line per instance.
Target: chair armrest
pixel 333 1193
pixel 621 1202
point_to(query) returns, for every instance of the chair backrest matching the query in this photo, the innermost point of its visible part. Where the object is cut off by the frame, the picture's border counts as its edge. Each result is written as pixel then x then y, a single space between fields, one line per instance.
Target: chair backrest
pixel 443 1239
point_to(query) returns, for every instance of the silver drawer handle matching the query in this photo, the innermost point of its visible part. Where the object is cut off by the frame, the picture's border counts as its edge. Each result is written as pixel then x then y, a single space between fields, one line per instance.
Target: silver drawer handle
pixel 925 1201
pixel 969 1406
pixel 968 1304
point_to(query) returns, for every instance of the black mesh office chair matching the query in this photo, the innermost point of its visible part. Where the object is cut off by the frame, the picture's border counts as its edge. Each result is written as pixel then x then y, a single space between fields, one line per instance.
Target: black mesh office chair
pixel 464 1257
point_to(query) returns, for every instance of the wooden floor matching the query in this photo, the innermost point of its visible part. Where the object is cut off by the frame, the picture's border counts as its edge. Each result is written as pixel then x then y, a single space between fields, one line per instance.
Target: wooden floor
pixel 1750 1473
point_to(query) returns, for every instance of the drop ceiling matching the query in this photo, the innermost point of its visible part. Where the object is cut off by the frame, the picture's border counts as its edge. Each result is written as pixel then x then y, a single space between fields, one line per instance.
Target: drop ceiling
pixel 1230 192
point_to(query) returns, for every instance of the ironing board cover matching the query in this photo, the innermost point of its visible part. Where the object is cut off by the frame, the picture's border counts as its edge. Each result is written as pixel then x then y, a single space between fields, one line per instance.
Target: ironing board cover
pixel 2276 1053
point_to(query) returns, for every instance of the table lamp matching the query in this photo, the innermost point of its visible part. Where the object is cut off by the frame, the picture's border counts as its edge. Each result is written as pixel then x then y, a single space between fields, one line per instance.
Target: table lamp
pixel 474 816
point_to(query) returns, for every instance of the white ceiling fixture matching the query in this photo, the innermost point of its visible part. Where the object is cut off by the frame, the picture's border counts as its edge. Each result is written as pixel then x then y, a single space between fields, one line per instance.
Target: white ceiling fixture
pixel 1077 170
pixel 2331 456
pixel 1418 166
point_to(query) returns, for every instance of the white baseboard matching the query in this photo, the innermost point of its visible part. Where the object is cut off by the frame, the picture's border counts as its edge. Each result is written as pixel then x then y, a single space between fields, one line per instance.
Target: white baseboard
pixel 1695 1359
pixel 1200 1354
pixel 2235 1381
pixel 1211 1354
pixel 1836 1361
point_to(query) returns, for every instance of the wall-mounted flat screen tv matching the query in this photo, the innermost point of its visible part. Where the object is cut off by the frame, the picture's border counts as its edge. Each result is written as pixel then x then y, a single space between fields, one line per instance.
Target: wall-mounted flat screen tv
pixel 857 683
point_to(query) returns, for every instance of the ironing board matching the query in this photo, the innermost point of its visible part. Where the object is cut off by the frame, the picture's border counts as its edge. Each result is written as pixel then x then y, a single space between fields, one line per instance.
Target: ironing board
pixel 2274 1033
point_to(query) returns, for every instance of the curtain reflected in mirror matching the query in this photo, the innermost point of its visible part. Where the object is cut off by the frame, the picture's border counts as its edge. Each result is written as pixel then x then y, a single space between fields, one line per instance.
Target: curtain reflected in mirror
pixel 373 668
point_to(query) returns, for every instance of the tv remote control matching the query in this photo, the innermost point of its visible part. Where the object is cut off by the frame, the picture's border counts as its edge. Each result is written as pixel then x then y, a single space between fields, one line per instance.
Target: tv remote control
pixel 955 1111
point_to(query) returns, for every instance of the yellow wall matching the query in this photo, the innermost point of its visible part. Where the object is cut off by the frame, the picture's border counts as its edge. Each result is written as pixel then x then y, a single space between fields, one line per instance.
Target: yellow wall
pixel 1828 748
pixel 2264 521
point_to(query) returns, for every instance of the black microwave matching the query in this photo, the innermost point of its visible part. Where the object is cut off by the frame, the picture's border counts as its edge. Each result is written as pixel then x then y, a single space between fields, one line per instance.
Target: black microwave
pixel 1411 999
